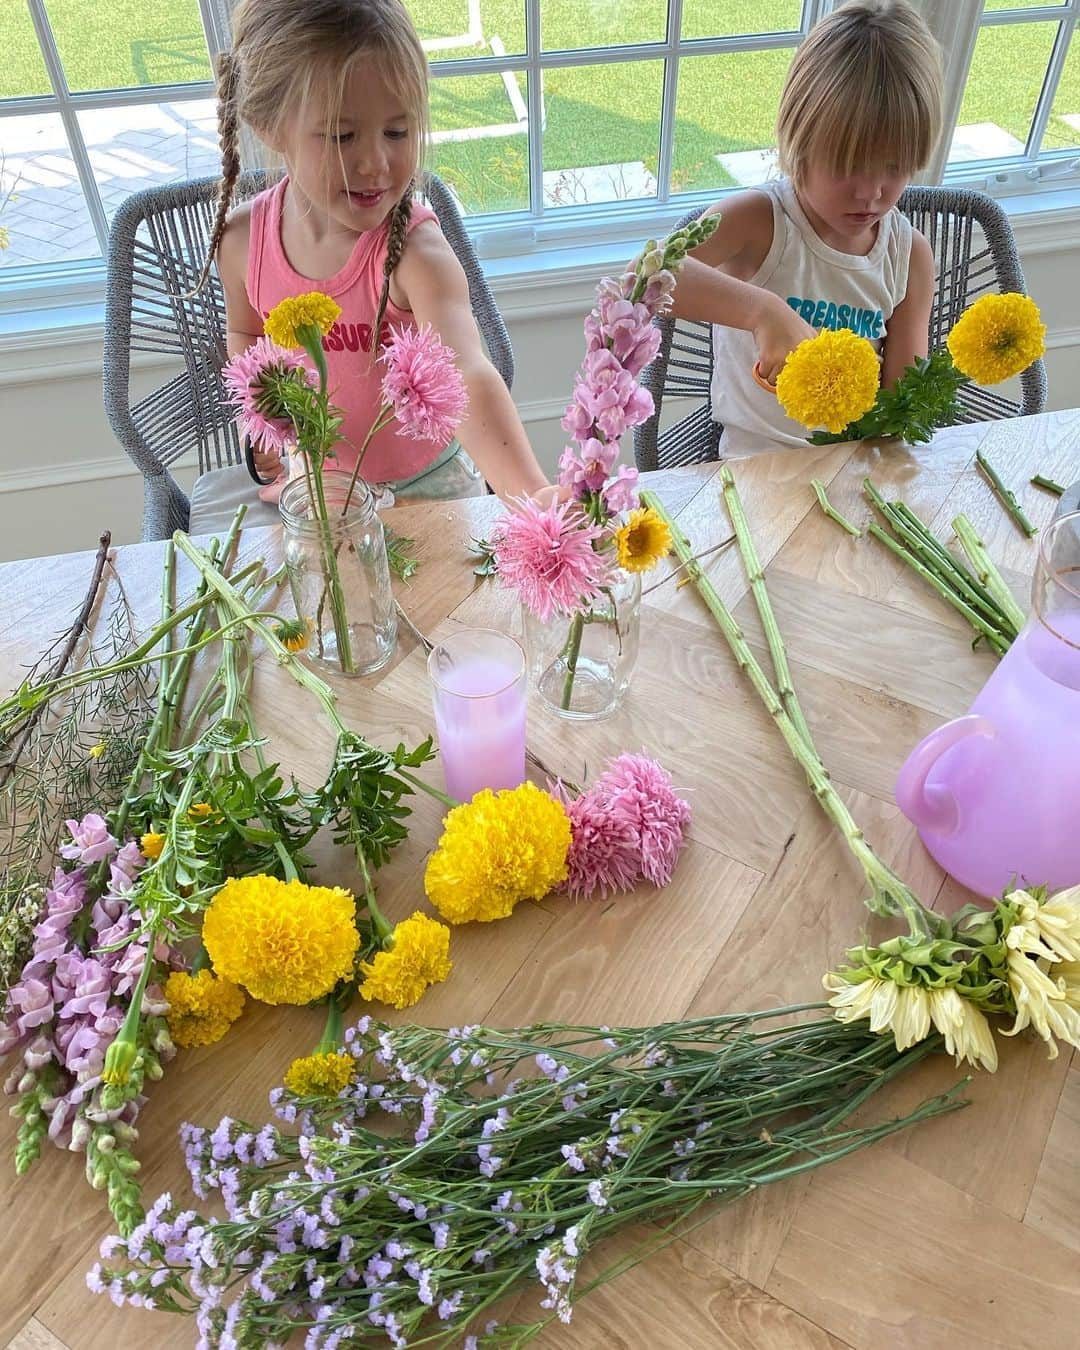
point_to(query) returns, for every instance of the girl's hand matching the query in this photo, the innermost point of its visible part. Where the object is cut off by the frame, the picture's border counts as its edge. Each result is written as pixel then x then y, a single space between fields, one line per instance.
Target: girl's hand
pixel 550 494
pixel 267 463
pixel 777 332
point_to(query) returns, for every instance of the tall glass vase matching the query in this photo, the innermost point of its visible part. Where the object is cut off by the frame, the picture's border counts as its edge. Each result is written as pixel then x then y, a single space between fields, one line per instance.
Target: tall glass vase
pixel 339 575
pixel 581 666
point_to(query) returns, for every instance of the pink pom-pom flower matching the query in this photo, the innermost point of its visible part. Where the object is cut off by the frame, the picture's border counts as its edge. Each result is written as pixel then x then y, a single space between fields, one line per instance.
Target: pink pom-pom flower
pixel 423 384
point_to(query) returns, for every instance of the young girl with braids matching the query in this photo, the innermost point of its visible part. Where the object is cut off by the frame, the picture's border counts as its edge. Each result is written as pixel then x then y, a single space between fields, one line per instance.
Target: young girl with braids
pixel 338 88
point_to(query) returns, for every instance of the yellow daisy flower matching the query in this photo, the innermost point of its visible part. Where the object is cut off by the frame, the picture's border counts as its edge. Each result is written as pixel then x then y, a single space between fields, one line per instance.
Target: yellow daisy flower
pixel 320 1075
pixel 293 634
pixel 313 309
pixel 499 848
pixel 967 1033
pixel 417 955
pixel 902 1009
pixel 96 751
pixel 200 811
pixel 830 380
pixel 284 941
pixel 997 337
pixel 151 844
pixel 201 1007
pixel 643 540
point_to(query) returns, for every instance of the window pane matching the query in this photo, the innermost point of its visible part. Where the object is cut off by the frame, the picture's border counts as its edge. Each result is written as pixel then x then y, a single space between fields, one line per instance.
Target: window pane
pixel 727 18
pixel 46 218
pixel 23 71
pixel 601 23
pixel 1003 87
pixel 1019 4
pixel 141 147
pixel 725 136
pixel 1063 128
pixel 480 133
pixel 120 44
pixel 601 135
pixel 458 29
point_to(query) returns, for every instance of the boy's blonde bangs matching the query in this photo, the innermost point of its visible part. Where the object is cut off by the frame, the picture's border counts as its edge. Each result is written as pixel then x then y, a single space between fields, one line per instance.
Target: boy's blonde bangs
pixel 864 91
pixel 889 127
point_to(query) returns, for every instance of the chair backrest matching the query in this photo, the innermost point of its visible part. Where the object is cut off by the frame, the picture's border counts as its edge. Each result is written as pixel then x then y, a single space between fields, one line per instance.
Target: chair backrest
pixel 974 251
pixel 156 246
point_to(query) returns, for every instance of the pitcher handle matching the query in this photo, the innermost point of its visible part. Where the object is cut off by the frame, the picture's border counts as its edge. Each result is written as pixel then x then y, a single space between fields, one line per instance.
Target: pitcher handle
pixel 934 807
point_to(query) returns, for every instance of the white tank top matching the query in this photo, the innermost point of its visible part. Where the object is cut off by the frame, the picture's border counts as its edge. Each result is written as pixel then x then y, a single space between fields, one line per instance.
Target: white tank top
pixel 829 289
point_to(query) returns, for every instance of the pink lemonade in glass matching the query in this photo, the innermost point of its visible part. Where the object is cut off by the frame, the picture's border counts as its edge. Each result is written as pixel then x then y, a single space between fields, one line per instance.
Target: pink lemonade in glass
pixel 478 678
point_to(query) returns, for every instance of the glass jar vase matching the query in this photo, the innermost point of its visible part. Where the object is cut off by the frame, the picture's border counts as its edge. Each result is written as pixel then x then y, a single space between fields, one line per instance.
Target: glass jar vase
pixel 581 666
pixel 339 574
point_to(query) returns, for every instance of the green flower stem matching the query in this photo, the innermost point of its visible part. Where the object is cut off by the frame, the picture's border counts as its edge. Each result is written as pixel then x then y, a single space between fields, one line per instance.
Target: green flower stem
pixel 987 573
pixel 1005 495
pixel 924 545
pixel 1047 485
pixel 752 563
pixel 890 894
pixel 384 418
pixel 831 511
pixel 331 1039
pixel 234 603
pixel 573 651
pixel 996 639
pixel 332 576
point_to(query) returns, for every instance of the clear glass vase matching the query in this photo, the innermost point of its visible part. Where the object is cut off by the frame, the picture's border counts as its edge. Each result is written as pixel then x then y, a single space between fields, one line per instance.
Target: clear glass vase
pixel 581 666
pixel 339 575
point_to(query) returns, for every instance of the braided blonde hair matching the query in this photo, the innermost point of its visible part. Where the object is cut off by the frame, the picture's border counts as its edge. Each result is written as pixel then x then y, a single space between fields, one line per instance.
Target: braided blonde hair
pixel 286 55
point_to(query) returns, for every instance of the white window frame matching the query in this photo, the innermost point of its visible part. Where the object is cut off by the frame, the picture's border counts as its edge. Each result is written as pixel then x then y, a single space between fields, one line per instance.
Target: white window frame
pixel 958 23
pixel 563 231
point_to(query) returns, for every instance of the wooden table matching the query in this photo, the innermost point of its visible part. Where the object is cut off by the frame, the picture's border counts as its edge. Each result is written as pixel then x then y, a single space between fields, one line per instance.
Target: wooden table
pixel 963 1231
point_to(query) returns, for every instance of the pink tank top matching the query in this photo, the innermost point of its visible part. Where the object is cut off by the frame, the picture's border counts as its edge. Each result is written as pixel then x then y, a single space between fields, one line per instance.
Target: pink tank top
pixel 353 377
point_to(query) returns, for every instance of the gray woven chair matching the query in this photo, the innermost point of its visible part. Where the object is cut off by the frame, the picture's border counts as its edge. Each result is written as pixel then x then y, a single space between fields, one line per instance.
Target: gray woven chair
pixel 974 251
pixel 156 246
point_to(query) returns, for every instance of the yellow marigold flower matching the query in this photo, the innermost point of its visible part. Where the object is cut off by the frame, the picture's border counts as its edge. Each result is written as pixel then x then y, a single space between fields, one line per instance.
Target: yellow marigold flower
pixel 311 310
pixel 417 955
pixel 643 540
pixel 151 844
pixel 322 1075
pixel 96 751
pixel 830 380
pixel 284 941
pixel 997 337
pixel 201 1007
pixel 200 811
pixel 293 634
pixel 499 848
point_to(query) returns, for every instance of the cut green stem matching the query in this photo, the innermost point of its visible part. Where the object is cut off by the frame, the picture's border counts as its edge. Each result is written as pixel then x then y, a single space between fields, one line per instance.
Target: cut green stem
pixel 1005 495
pixel 1047 485
pixel 831 511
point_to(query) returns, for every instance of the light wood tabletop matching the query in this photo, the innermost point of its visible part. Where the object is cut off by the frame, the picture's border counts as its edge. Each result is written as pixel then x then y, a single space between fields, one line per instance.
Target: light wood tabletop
pixel 965 1230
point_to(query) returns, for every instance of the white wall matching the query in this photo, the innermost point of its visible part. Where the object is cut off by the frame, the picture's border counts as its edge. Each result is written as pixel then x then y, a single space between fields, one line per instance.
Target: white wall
pixel 64 479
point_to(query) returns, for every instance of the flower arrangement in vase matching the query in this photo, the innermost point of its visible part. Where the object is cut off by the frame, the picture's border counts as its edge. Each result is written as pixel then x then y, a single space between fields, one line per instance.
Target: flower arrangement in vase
pixel 335 547
pixel 576 564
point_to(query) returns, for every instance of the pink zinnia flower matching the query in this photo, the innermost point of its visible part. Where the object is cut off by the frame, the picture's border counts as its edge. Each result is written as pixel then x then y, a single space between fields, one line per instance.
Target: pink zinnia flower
pixel 547 556
pixel 604 847
pixel 640 791
pixel 424 385
pixel 244 377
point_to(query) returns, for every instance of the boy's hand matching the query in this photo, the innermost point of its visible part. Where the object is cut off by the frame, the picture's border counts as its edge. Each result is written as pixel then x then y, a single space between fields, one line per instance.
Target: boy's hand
pixel 777 331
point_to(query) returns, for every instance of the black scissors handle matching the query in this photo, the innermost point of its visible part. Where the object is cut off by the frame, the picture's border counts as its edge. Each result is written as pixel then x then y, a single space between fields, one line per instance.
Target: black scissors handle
pixel 249 460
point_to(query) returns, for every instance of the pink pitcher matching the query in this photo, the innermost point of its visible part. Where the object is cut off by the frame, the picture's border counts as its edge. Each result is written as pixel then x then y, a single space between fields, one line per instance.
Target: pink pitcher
pixel 996 794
